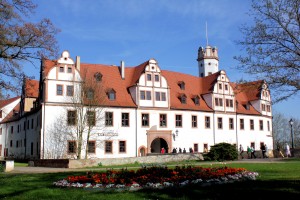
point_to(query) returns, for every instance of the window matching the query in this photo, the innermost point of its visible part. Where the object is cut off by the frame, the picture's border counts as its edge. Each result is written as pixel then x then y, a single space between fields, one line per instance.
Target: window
pixel 61 69
pixel 11 143
pixel 70 90
pixel 178 120
pixel 194 121
pixel 91 118
pixel 182 99
pixel 156 78
pixel 69 69
pixel 242 126
pixel 145 95
pixel 90 94
pixel 142 95
pixel 195 148
pixel 0 131
pixel 92 147
pixel 218 102
pixel 263 107
pixel 261 125
pixel 72 117
pixel 229 103
pixel 197 101
pixel 31 148
pixel 0 113
pixel 220 86
pixel 125 119
pixel 268 108
pixel 163 120
pixel 72 147
pixel 11 129
pixel 108 146
pixel 145 119
pixel 32 122
pixel 59 90
pixel 163 96
pixel 251 124
pixel 226 87
pixel 112 95
pixel 98 76
pixel 148 77
pixel 268 125
pixel 181 85
pixel 220 123
pixel 207 122
pixel 122 146
pixel 24 125
pixel 157 96
pixel 231 124
pixel 108 119
pixel 148 95
pixel 27 124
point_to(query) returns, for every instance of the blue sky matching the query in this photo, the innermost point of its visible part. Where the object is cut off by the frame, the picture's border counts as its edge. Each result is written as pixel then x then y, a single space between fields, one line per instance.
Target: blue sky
pixel 171 31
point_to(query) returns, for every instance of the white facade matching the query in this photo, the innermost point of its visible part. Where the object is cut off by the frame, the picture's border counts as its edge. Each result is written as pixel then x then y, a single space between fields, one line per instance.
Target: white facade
pixel 150 113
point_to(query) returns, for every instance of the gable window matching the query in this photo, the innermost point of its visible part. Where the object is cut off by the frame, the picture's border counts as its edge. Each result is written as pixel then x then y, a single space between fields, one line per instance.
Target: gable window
pixel 72 117
pixel 145 119
pixel 70 90
pixel 263 107
pixel 69 70
pixel 220 123
pixel 92 147
pixel 59 90
pixel 242 126
pixel 178 120
pixel 268 125
pixel 61 69
pixel 194 121
pixel 163 96
pixel 125 119
pixel 251 124
pixel 226 87
pixel 108 146
pixel 122 146
pixel 112 95
pixel 98 76
pixel 0 113
pixel 229 103
pixel 145 95
pixel 207 122
pixel 108 119
pixel 0 131
pixel 142 95
pixel 163 120
pixel 91 118
pixel 268 108
pixel 72 146
pixel 218 102
pixel 261 125
pixel 220 86
pixel 148 77
pixel 231 124
pixel 156 78
pixel 148 95
pixel 157 96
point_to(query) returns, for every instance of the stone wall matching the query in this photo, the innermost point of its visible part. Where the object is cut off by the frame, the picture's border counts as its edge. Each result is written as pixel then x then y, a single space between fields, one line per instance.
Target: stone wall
pixel 142 160
pixel 55 163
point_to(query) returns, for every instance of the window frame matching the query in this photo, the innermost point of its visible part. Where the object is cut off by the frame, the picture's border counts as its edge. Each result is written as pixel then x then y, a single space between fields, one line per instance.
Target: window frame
pixel 207 122
pixel 261 125
pixel 91 119
pixel 220 122
pixel 231 123
pixel 147 120
pixel 178 120
pixel 194 121
pixel 125 120
pixel 74 147
pixel 68 90
pixel 163 120
pixel 108 149
pixel 109 119
pixel 122 150
pixel 71 119
pixel 251 121
pixel 58 91
pixel 242 124
pixel 93 149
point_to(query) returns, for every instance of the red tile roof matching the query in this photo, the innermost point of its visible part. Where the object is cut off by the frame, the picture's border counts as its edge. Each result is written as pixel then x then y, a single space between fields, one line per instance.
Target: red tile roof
pixel 4 103
pixel 12 115
pixel 31 88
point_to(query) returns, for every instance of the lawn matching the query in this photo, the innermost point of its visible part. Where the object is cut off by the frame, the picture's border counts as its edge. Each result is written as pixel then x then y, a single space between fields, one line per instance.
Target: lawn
pixel 275 180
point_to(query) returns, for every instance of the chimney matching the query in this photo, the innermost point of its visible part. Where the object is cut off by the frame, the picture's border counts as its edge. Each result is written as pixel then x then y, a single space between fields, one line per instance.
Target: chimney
pixel 123 70
pixel 78 63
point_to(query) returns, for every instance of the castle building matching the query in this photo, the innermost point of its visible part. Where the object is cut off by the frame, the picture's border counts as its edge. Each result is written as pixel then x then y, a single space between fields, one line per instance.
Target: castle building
pixel 105 111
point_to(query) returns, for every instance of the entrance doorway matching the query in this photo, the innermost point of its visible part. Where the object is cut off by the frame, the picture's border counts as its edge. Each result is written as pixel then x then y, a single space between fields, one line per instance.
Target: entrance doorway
pixel 157 144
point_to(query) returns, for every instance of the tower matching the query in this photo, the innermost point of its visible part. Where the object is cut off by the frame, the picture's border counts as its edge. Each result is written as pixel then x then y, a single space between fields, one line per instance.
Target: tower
pixel 208 60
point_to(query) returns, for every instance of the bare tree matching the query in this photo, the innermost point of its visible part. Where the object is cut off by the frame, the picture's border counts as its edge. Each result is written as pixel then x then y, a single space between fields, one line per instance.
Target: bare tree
pixel 272 45
pixel 22 41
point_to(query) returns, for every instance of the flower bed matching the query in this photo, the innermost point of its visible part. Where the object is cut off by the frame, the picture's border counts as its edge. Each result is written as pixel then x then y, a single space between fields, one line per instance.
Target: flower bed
pixel 157 177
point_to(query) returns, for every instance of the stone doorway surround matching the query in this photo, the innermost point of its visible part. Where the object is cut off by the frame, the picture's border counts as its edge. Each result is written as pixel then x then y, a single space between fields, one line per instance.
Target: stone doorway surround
pixel 154 134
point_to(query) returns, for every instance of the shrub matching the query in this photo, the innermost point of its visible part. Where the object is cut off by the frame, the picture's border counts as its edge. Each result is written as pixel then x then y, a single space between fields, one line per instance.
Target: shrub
pixel 1 167
pixel 222 151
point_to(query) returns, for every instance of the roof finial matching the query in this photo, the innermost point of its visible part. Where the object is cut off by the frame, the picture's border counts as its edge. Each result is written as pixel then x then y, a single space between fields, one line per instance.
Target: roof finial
pixel 206 33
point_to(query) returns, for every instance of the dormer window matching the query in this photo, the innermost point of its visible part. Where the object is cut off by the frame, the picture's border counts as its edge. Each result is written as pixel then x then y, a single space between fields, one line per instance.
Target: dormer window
pixel 182 98
pixel 246 106
pixel 181 85
pixel 197 100
pixel 90 94
pixel 111 94
pixel 98 76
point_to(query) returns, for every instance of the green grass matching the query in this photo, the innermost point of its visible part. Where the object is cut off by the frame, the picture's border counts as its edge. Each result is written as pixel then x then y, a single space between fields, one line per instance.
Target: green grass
pixel 276 180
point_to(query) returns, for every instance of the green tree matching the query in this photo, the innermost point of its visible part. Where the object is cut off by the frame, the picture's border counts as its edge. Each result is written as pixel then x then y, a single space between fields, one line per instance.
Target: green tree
pixel 22 41
pixel 272 45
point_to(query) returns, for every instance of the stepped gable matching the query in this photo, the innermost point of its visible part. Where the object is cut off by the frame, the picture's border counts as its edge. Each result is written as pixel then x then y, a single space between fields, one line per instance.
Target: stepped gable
pixel 111 79
pixel 193 88
pixel 31 88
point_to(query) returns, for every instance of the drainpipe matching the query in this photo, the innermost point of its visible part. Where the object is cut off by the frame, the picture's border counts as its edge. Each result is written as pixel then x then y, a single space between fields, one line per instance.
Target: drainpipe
pixel 236 132
pixel 43 156
pixel 26 136
pixel 136 147
pixel 214 132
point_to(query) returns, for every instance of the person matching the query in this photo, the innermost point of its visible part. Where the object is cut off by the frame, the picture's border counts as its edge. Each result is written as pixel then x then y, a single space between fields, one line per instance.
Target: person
pixel 279 151
pixel 162 150
pixel 180 150
pixel 248 151
pixel 287 150
pixel 253 152
pixel 184 151
pixel 191 150
pixel 263 150
pixel 266 153
pixel 241 151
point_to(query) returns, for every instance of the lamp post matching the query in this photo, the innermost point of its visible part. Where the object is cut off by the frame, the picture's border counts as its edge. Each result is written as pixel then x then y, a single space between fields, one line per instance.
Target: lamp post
pixel 291 123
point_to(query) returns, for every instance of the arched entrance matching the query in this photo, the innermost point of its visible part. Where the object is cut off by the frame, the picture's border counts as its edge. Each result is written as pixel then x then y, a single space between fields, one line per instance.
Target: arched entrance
pixel 157 144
